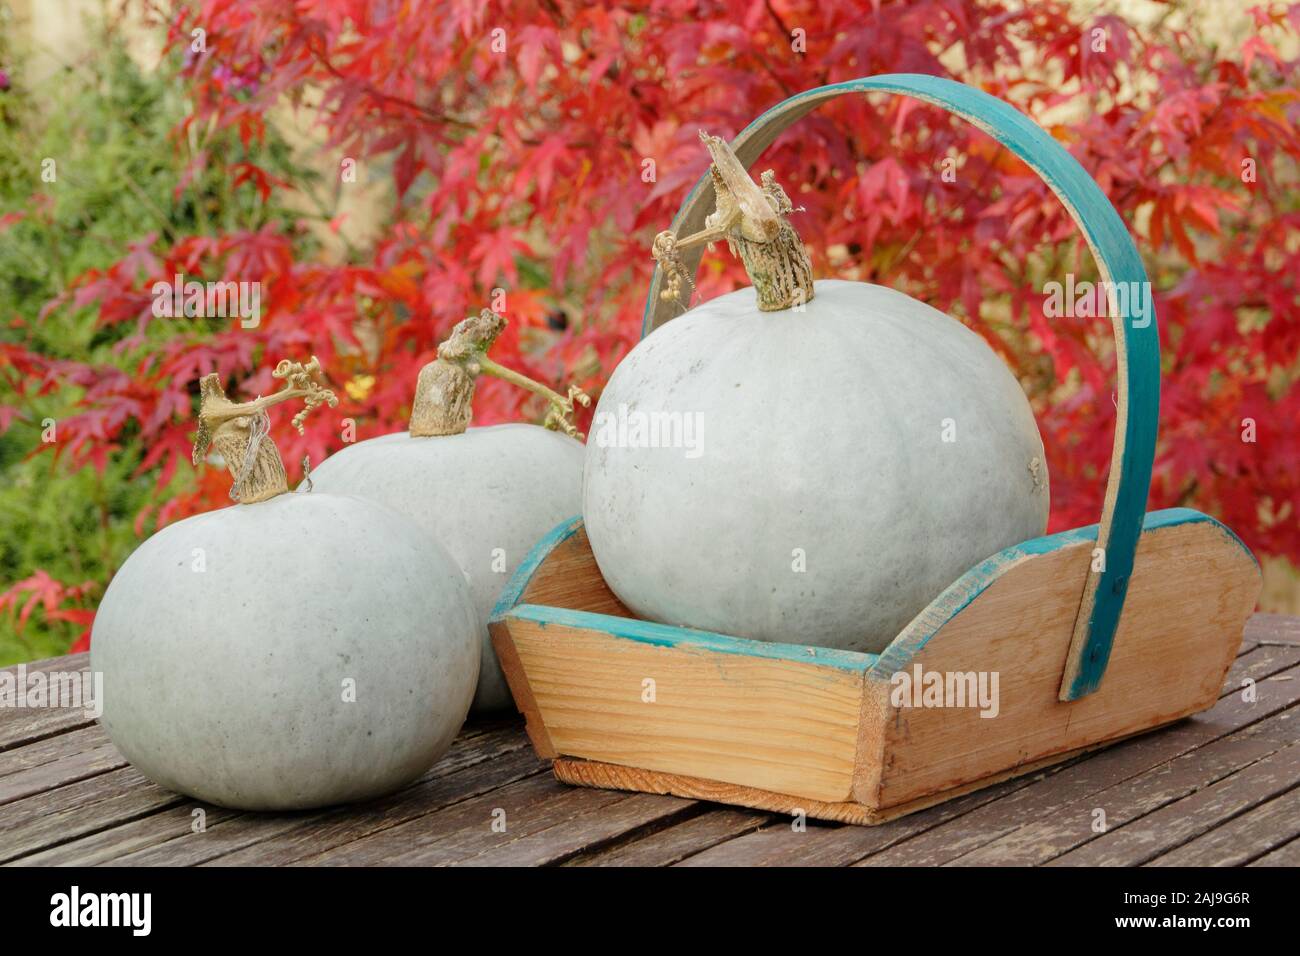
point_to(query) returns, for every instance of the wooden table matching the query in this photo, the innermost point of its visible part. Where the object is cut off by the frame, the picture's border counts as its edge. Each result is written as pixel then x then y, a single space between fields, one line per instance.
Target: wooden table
pixel 1221 788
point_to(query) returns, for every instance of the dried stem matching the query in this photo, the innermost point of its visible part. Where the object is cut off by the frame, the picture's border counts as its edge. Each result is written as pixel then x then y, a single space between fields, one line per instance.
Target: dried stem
pixel 444 393
pixel 754 222
pixel 238 430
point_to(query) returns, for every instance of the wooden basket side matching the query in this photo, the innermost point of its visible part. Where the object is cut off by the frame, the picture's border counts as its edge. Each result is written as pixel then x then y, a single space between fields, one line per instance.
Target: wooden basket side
pixel 517 679
pixel 879 713
pixel 559 568
pixel 778 717
pixel 560 571
pixel 1193 587
pixel 902 650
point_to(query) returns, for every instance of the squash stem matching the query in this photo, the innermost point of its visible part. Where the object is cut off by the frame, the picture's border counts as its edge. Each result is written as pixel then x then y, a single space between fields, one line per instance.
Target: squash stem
pixel 560 413
pixel 444 393
pixel 755 222
pixel 239 430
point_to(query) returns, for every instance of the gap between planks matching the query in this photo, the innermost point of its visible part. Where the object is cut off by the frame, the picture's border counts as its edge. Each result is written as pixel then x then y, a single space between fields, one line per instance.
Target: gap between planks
pixel 1243 839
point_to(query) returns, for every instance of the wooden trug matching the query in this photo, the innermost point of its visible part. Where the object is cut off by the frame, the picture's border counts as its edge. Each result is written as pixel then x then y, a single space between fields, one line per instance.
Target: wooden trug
pixel 788 727
pixel 1094 634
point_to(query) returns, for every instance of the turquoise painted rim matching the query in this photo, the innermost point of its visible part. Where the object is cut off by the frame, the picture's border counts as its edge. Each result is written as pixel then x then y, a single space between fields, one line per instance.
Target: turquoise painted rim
pixel 895 657
pixel 1137 341
pixel 514 589
pixel 668 635
pixel 958 595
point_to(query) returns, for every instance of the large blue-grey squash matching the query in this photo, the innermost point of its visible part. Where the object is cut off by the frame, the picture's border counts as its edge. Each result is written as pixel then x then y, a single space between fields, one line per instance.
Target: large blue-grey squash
pixel 799 461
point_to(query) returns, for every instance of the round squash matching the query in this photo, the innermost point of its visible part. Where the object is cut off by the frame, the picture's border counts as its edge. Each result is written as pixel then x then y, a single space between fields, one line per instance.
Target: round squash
pixel 291 651
pixel 486 494
pixel 804 462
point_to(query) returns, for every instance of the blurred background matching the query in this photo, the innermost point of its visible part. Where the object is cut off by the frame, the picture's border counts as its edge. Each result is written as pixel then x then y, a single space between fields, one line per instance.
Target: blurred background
pixel 383 169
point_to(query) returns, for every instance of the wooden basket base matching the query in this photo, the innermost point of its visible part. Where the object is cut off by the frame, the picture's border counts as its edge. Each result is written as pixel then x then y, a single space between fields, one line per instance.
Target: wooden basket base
pixel 608 776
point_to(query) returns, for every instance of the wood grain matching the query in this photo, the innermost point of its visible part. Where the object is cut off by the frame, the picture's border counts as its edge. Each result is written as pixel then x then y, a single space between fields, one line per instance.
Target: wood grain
pixel 561 571
pixel 165 823
pixel 22 725
pixel 674 843
pixel 57 816
pixel 479 765
pixel 50 749
pixel 1259 663
pixel 780 845
pixel 1191 816
pixel 565 575
pixel 70 768
pixel 509 763
pixel 1286 855
pixel 558 843
pixel 774 725
pixel 1191 592
pixel 465 829
pixel 1248 837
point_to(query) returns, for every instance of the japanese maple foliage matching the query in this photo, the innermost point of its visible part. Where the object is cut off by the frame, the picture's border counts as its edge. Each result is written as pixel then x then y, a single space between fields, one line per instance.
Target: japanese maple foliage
pixel 536 148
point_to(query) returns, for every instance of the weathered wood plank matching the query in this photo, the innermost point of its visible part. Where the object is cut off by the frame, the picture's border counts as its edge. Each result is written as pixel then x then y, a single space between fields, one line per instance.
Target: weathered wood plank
pixel 1288 855
pixel 49 749
pixel 22 725
pixel 533 822
pixel 1273 627
pixel 513 760
pixel 192 849
pixel 56 773
pixel 557 843
pixel 1260 663
pixel 159 826
pixel 1172 825
pixel 264 838
pixel 47 665
pixel 674 843
pixel 1070 824
pixel 830 845
pixel 1262 627
pixel 1110 767
pixel 1251 835
pixel 55 817
pixel 465 829
pixel 65 813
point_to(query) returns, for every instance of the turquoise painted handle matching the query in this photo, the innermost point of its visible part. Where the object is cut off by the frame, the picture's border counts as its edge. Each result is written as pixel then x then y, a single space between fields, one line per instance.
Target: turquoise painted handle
pixel 1137 343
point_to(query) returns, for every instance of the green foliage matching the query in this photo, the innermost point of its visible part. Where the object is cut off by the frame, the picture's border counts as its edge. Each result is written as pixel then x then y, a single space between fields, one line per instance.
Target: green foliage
pixel 111 129
pixel 76 526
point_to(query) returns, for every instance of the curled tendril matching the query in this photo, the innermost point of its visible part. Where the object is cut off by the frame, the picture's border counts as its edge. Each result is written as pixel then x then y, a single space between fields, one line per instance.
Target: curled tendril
pixel 306 380
pixel 560 414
